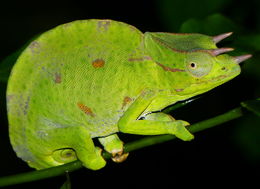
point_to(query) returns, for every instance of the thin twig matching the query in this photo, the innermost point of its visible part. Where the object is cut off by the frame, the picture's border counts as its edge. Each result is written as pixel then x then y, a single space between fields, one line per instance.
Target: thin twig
pixel 141 143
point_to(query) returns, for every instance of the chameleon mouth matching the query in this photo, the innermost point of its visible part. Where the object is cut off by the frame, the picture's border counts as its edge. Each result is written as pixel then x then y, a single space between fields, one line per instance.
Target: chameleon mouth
pixel 235 71
pixel 222 78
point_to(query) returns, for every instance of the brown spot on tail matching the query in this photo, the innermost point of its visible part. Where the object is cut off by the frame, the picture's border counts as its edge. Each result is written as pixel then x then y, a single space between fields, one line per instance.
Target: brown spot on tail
pixel 98 63
pixel 85 109
pixel 166 68
pixel 126 101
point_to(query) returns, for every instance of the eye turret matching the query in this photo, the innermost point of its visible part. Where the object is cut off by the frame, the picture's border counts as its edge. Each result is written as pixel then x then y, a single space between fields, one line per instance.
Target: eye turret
pixel 199 64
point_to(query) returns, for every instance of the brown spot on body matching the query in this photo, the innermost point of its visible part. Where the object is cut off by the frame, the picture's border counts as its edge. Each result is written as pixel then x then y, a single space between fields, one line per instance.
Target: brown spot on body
pixel 126 101
pixel 178 90
pixel 67 25
pixel 26 105
pixel 98 63
pixel 35 47
pixel 103 25
pixel 166 68
pixel 85 109
pixel 140 59
pixel 57 78
pixel 9 97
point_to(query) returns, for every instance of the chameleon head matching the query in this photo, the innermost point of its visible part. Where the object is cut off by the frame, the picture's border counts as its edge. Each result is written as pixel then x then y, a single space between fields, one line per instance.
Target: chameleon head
pixel 193 62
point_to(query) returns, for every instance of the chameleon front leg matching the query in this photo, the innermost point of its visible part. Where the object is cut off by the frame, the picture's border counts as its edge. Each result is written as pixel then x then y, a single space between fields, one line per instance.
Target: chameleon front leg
pixel 159 116
pixel 128 123
pixel 70 142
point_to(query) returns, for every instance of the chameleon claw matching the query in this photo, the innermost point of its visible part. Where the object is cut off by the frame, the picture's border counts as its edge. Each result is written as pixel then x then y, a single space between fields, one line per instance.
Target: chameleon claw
pixel 220 37
pixel 239 59
pixel 119 156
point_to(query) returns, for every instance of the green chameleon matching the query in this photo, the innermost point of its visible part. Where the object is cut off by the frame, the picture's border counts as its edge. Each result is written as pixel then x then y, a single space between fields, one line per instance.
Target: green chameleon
pixel 93 78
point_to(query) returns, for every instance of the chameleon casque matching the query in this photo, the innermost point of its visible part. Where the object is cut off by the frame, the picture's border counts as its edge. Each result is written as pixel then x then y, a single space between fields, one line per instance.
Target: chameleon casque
pixel 93 78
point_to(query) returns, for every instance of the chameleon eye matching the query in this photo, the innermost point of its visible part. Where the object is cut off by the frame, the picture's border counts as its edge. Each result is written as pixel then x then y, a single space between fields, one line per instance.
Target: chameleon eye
pixel 198 65
pixel 193 65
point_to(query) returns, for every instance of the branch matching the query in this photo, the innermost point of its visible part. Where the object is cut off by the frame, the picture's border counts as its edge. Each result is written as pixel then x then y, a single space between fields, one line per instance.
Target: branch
pixel 129 147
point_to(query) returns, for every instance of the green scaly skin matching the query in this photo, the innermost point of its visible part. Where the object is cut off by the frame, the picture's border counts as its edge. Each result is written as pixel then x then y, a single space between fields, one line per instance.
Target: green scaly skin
pixel 94 78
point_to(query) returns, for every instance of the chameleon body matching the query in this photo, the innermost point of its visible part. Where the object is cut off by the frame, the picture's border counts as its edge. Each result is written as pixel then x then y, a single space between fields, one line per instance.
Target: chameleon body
pixel 93 78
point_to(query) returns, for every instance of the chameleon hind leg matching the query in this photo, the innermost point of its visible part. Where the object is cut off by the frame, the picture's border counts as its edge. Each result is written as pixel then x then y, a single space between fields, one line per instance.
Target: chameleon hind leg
pixel 70 143
pixel 114 146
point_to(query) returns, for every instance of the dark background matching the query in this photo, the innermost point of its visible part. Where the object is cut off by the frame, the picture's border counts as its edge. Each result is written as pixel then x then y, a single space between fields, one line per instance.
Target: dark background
pixel 225 156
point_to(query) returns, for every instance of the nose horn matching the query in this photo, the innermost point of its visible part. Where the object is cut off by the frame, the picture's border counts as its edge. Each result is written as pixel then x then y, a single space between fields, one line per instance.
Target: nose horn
pixel 220 37
pixel 239 59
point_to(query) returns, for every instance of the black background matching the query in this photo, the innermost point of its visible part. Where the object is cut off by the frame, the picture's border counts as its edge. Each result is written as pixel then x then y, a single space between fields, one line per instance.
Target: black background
pixel 218 157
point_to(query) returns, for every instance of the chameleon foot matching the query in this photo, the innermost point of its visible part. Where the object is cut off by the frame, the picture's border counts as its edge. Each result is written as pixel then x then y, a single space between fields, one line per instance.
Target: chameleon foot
pixel 119 156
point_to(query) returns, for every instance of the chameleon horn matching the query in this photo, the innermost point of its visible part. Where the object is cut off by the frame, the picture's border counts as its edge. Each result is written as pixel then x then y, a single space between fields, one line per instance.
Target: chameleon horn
pixel 220 37
pixel 242 58
pixel 216 52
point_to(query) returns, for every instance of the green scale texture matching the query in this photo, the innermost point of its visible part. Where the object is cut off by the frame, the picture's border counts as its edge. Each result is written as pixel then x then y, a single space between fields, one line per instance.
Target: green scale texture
pixel 93 78
pixel 56 75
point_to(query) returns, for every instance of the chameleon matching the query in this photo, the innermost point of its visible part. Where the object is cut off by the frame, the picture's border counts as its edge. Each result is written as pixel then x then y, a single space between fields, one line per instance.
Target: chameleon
pixel 94 78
